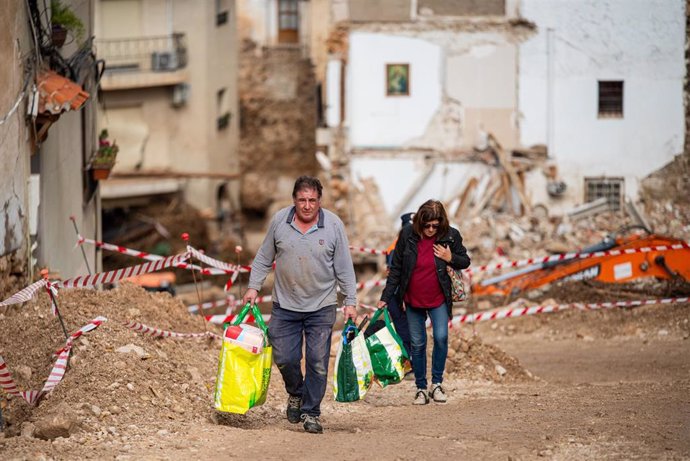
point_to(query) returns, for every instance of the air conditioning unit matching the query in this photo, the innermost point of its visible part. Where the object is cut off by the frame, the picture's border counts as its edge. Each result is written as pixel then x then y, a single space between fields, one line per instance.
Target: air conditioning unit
pixel 164 61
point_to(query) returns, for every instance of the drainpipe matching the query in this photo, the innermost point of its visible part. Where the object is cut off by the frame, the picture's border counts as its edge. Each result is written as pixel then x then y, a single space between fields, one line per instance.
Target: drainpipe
pixel 550 65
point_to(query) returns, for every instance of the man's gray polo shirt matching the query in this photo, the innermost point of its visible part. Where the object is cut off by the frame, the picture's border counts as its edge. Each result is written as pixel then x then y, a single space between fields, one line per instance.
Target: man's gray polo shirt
pixel 309 266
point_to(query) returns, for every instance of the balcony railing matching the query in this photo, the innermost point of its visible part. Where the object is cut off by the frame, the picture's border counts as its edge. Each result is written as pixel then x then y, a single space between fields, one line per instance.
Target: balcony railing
pixel 165 53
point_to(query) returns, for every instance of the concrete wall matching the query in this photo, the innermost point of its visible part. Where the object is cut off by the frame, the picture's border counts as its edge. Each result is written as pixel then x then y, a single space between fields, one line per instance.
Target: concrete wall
pixel 459 83
pixel 462 7
pixel 213 63
pixel 376 120
pixel 380 10
pixel 640 42
pixel 14 150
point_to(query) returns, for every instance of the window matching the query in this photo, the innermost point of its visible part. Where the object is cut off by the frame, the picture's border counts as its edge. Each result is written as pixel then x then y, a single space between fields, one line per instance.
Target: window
pixel 610 99
pixel 223 109
pixel 609 188
pixel 288 21
pixel 221 12
pixel 397 79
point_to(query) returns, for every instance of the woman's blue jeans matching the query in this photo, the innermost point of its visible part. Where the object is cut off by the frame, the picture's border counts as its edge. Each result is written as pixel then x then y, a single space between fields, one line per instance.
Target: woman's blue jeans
pixel 416 319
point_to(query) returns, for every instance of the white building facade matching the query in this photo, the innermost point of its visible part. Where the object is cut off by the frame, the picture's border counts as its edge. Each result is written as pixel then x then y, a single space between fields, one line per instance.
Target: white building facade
pixel 601 84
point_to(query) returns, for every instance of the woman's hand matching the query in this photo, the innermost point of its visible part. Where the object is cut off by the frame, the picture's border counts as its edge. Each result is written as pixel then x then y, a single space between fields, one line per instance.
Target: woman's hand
pixel 381 304
pixel 442 252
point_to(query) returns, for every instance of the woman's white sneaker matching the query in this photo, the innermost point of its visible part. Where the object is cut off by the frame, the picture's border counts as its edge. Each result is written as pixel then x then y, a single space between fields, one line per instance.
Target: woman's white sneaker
pixel 421 397
pixel 437 394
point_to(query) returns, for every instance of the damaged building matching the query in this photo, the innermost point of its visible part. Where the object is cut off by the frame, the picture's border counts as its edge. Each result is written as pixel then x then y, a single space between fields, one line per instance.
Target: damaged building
pixel 427 98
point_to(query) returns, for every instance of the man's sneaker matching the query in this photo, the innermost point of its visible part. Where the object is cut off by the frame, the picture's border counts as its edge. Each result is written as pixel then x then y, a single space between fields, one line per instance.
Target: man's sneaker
pixel 437 394
pixel 420 398
pixel 293 408
pixel 312 424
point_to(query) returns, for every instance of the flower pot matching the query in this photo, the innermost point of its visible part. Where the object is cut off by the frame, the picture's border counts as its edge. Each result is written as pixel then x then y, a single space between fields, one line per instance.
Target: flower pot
pixel 58 35
pixel 100 173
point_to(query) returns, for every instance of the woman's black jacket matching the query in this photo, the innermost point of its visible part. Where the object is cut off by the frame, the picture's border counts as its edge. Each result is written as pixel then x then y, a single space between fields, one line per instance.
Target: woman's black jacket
pixel 405 258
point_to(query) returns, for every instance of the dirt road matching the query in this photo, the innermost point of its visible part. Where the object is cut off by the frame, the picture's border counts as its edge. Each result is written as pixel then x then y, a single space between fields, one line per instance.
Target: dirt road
pixel 597 396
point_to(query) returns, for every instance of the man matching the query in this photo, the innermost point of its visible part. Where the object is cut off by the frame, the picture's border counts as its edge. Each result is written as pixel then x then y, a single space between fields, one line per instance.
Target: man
pixel 312 256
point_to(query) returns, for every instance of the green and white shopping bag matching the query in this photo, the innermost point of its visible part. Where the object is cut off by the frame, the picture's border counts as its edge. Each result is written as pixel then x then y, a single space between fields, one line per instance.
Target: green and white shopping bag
pixel 353 373
pixel 388 355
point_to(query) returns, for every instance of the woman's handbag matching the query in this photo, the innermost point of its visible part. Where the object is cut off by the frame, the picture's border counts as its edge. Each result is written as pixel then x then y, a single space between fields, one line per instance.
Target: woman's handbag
pixel 457 287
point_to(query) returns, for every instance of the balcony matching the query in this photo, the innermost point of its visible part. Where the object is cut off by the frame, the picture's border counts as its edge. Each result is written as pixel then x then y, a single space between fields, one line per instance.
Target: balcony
pixel 143 62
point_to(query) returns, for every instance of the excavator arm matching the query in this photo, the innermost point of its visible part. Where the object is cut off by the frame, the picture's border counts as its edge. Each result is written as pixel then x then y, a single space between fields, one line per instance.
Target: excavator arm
pixel 611 268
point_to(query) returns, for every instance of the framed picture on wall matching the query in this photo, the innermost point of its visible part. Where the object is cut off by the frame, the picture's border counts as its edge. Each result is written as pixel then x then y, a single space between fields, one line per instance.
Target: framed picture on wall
pixel 397 79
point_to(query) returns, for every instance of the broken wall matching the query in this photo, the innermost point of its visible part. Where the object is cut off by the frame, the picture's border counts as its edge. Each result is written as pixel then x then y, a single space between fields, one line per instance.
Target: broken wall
pixel 15 150
pixel 462 82
pixel 639 43
pixel 278 118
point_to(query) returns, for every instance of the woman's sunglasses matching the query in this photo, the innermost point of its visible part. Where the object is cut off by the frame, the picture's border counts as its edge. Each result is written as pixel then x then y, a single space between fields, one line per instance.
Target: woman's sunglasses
pixel 430 226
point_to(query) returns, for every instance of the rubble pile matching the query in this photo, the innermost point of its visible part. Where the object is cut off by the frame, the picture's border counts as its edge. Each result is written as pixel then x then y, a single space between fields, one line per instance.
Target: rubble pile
pixel 118 380
pixel 121 383
pixel 470 358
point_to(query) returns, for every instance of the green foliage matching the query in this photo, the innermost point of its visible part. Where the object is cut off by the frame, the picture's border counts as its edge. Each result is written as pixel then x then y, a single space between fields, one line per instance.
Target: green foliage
pixel 106 153
pixel 64 16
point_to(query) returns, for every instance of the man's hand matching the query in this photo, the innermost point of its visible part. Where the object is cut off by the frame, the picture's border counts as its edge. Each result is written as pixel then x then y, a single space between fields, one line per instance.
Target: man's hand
pixel 381 304
pixel 350 312
pixel 249 296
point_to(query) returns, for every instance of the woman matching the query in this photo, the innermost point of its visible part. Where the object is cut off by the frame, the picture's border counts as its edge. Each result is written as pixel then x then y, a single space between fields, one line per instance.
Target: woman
pixel 418 277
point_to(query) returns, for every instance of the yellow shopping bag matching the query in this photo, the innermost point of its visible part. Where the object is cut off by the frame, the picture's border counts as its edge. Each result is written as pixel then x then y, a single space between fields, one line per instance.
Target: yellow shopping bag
pixel 243 375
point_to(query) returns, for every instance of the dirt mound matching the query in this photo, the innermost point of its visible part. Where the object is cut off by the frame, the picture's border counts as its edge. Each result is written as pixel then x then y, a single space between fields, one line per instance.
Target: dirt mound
pixel 106 391
pixel 161 383
pixel 469 358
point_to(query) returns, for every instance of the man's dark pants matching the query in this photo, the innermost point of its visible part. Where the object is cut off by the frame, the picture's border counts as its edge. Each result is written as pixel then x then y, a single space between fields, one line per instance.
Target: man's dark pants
pixel 287 330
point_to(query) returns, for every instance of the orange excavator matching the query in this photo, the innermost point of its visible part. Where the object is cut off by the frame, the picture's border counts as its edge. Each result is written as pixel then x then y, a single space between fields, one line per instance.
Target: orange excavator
pixel 635 256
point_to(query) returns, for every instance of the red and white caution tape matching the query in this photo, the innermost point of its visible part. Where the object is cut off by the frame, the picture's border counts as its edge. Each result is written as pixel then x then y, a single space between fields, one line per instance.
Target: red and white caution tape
pixel 52 294
pixel 522 311
pixel 229 301
pixel 229 268
pixel 371 283
pixel 92 325
pixel 368 250
pixel 119 249
pixel 559 257
pixel 56 373
pixel 566 256
pixel 152 331
pixel 150 257
pixel 24 295
pixel 228 318
pixel 84 281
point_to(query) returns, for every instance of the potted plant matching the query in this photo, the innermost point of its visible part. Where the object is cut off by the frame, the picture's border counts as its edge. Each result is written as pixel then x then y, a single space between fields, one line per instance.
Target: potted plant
pixel 64 21
pixel 103 159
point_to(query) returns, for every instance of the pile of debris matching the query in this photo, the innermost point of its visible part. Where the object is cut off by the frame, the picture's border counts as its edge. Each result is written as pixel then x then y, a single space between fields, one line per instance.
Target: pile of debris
pixel 121 384
pixel 470 358
pixel 118 380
